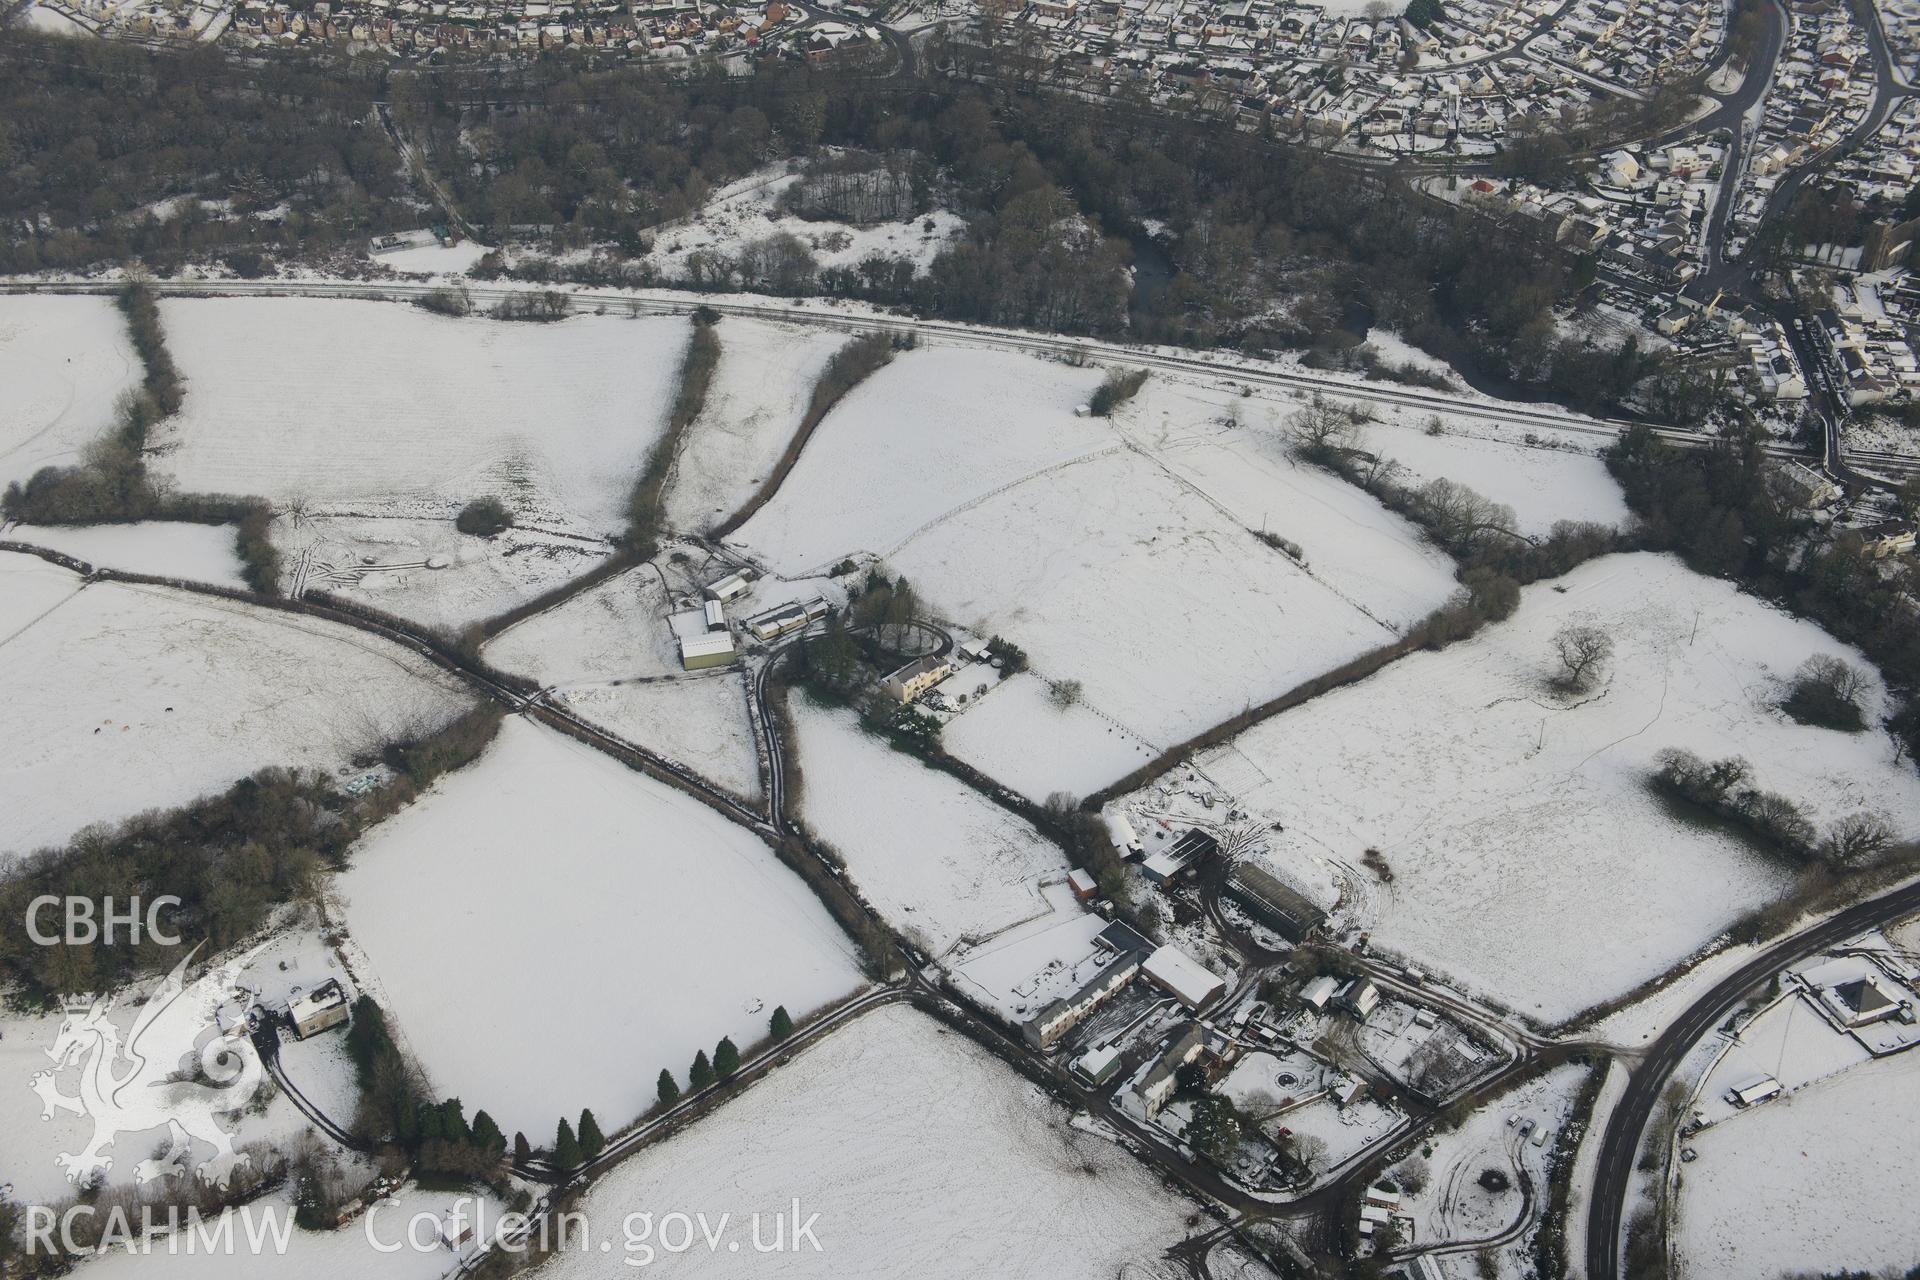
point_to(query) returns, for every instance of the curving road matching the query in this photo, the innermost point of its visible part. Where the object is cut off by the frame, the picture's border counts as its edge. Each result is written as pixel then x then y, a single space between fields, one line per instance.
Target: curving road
pixel 1607 1206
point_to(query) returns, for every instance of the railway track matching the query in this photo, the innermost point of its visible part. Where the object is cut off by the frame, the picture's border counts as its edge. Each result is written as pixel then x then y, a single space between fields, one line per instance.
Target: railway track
pixel 667 302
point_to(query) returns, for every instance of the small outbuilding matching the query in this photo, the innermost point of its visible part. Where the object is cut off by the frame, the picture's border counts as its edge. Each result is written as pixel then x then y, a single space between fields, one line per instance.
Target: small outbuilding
pixel 1754 1091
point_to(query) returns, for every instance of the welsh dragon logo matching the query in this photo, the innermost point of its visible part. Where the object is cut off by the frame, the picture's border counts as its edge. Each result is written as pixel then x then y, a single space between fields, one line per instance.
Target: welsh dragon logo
pixel 175 1071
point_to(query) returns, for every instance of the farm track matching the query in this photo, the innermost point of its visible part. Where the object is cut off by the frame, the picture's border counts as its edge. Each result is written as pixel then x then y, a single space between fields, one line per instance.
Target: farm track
pixel 448 658
pixel 773 823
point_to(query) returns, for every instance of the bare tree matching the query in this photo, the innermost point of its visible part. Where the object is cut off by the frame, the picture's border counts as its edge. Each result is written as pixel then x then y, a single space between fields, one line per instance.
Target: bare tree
pixel 1064 693
pixel 1459 518
pixel 1411 1174
pixel 1826 691
pixel 1320 430
pixel 1583 650
pixel 1308 1149
pixel 1857 840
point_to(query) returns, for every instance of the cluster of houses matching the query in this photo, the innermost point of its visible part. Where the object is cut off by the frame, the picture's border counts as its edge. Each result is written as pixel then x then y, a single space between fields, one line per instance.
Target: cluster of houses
pixel 420 30
pixel 1879 173
pixel 1900 23
pixel 147 21
pixel 1642 211
pixel 1448 78
pixel 1746 341
pixel 1633 43
pixel 1823 84
pixel 1864 340
pixel 1121 954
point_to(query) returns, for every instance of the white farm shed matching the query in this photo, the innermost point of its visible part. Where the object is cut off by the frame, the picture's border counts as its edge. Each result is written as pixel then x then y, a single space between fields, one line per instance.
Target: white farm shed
pixel 1183 977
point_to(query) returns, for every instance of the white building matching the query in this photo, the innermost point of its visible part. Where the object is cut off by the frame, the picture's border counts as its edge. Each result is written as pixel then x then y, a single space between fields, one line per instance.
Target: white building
pixel 914 679
pixel 318 1010
pixel 714 649
pixel 1319 993
pixel 730 586
pixel 1183 977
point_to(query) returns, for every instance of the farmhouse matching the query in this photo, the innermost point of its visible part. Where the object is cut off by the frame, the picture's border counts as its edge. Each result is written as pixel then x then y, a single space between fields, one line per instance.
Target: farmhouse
pixel 1273 903
pixel 1359 997
pixel 1319 993
pixel 318 1010
pixel 1045 1028
pixel 914 679
pixel 1183 977
pixel 1157 1085
pixel 1861 1003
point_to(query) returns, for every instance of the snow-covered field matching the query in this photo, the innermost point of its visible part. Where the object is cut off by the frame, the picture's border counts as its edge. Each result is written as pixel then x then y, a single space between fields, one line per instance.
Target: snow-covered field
pixel 1121 554
pixel 389 563
pixel 615 631
pixel 434 259
pixel 921 1154
pixel 165 548
pixel 754 405
pixel 1542 485
pixel 1111 572
pixel 63 363
pixel 1820 1183
pixel 699 721
pixel 550 929
pixel 745 211
pixel 937 859
pixel 1234 452
pixel 1497 801
pixel 1017 735
pixel 376 1247
pixel 124 698
pixel 934 430
pixel 374 408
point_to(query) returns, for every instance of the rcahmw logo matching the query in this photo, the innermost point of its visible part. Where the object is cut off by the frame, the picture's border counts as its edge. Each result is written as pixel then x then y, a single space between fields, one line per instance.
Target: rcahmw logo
pixel 85 925
pixel 174 1069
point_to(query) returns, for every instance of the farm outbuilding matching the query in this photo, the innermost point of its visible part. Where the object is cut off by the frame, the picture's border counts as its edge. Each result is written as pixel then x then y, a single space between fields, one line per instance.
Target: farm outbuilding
pixel 714 649
pixel 1273 902
pixel 1183 977
pixel 732 585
